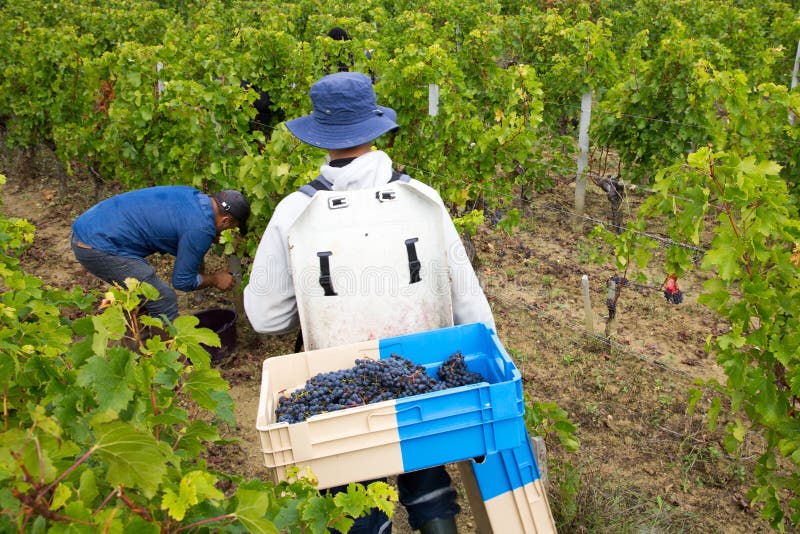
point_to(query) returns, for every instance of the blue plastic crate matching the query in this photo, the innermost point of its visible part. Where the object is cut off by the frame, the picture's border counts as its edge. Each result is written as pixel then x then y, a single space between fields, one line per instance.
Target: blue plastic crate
pixel 400 435
pixel 507 470
pixel 474 420
pixel 511 496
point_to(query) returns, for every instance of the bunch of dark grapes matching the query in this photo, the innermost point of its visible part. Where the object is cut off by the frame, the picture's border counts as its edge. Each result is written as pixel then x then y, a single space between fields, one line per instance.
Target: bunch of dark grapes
pixel 368 381
pixel 454 372
pixel 674 298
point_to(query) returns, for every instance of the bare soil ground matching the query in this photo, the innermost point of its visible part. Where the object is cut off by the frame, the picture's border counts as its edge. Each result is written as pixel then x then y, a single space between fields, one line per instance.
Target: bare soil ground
pixel 644 465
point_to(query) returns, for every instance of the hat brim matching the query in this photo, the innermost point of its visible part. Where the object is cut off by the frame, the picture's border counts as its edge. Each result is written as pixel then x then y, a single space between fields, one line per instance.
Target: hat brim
pixel 332 137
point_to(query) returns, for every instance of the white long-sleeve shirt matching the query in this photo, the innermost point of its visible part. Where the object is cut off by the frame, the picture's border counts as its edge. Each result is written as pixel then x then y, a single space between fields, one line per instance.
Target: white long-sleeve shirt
pixel 269 297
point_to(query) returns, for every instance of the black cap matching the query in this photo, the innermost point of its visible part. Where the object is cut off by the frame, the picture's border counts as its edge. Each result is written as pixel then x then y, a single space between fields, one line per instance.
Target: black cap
pixel 338 34
pixel 234 204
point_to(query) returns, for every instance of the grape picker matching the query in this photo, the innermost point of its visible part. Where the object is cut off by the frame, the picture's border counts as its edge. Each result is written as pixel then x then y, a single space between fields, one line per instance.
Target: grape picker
pixel 113 238
pixel 361 253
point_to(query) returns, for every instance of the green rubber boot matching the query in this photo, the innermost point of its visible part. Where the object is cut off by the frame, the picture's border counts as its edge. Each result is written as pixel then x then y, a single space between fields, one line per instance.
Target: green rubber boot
pixel 440 525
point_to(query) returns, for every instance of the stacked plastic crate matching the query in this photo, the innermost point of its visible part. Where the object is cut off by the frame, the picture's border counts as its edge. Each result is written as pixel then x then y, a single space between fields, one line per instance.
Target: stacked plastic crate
pixel 479 426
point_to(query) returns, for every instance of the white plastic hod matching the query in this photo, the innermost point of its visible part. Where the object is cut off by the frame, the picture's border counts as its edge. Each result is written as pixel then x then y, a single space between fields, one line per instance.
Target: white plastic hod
pixel 367 241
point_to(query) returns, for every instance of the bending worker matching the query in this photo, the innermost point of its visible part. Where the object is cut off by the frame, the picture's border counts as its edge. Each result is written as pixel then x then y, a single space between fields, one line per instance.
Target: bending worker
pixel 345 121
pixel 113 238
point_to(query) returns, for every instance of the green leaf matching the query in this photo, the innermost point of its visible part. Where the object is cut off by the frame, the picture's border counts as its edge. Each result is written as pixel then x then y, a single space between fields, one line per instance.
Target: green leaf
pixel 112 522
pixel 694 396
pixel 251 511
pixel 108 325
pixel 713 413
pixel 60 496
pixel 382 496
pixel 738 431
pixel 175 505
pixel 194 437
pixel 134 458
pixel 209 390
pixel 353 501
pixel 194 487
pixel 77 510
pixel 111 377
pixel 318 509
pixel 87 489
pixel 138 525
pixel 188 340
pixel 725 258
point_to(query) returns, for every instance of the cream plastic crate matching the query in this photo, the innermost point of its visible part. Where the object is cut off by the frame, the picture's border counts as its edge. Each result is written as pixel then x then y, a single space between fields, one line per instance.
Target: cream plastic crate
pixel 400 435
pixel 507 494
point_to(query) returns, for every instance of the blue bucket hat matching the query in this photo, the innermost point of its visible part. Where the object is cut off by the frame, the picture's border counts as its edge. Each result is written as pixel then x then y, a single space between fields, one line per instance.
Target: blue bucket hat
pixel 346 113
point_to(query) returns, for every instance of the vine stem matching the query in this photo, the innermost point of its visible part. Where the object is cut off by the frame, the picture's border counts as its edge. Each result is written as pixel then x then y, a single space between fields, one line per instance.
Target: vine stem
pixel 5 410
pixel 105 501
pixel 205 521
pixel 155 408
pixel 727 209
pixel 133 506
pixel 107 526
pixel 41 460
pixel 35 506
pixel 66 473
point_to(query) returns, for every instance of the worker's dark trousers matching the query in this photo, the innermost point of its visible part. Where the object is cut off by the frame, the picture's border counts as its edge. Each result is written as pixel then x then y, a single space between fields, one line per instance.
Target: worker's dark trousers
pixel 115 269
pixel 426 495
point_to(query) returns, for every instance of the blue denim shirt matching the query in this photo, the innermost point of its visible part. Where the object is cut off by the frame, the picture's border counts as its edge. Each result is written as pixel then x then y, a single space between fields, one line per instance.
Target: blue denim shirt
pixel 176 220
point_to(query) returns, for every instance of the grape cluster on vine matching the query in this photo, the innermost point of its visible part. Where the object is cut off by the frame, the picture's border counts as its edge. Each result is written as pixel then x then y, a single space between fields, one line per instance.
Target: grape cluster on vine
pixel 370 381
pixel 674 298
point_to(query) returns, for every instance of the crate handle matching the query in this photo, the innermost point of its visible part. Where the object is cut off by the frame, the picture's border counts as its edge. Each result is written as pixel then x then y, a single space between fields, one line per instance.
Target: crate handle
pixel 410 407
pixel 382 425
pixel 394 412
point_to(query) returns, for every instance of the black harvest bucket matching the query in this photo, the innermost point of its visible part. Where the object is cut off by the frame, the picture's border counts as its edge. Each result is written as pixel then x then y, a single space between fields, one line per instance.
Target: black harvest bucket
pixel 223 322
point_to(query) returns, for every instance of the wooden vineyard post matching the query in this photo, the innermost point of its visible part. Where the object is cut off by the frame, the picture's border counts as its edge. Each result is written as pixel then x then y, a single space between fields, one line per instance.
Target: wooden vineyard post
pixel 433 99
pixel 583 160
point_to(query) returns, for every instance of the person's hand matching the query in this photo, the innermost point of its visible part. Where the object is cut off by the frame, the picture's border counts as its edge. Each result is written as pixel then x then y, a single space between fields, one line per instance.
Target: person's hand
pixel 223 280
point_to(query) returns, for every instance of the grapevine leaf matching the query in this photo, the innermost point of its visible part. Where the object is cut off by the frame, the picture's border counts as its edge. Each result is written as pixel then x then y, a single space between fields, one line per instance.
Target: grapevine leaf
pixel 737 431
pixel 352 502
pixel 382 496
pixel 137 524
pixel 8 364
pixel 188 340
pixel 108 325
pixel 194 487
pixel 209 390
pixel 39 525
pixel 8 502
pixel 110 378
pixel 195 435
pixel 725 258
pixel 133 457
pixel 694 396
pixel 60 496
pixel 317 511
pixel 110 521
pixel 175 505
pixel 251 509
pixel 76 510
pixel 87 488
pixel 343 524
pixel 713 413
pixel 44 422
pixel 287 515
